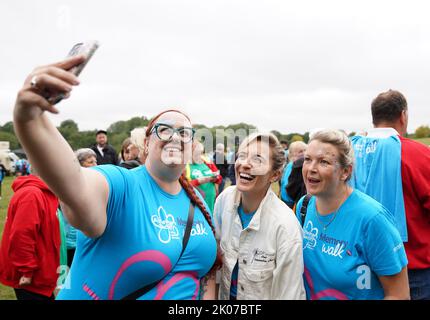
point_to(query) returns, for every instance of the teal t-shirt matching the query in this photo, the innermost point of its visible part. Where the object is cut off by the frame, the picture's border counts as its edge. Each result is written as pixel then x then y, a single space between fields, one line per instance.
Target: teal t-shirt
pixel 141 244
pixel 284 182
pixel 245 218
pixel 343 261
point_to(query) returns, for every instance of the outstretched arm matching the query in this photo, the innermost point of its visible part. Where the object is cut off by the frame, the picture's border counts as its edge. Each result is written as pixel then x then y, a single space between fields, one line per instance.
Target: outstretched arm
pixel 84 192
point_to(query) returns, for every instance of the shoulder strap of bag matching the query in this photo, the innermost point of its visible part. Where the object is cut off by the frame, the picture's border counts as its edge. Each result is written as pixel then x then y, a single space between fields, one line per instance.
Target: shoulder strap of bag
pixel 140 292
pixel 304 208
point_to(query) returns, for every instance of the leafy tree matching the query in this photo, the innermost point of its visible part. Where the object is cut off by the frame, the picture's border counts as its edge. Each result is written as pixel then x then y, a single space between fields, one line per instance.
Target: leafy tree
pixel 422 132
pixel 296 137
pixel 13 140
pixel 306 137
pixel 127 126
pixel 70 131
pixel 7 127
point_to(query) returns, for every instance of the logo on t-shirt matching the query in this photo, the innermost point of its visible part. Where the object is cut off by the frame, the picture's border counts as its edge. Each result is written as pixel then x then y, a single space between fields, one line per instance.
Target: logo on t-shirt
pixel 167 225
pixel 310 234
pixel 196 174
pixel 332 246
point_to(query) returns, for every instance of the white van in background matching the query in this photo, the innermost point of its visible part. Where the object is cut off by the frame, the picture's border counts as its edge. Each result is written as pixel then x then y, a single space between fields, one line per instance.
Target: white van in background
pixel 7 159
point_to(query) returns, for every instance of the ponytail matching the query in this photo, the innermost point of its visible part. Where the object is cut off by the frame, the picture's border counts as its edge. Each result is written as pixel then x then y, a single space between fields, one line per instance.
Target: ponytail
pixel 195 199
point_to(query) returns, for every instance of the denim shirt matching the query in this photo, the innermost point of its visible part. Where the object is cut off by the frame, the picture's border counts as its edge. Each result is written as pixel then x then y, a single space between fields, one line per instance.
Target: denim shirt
pixel 268 252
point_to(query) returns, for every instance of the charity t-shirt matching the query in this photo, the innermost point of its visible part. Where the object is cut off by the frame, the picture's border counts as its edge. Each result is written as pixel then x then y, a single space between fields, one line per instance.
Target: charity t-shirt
pixel 343 261
pixel 284 182
pixel 377 173
pixel 141 243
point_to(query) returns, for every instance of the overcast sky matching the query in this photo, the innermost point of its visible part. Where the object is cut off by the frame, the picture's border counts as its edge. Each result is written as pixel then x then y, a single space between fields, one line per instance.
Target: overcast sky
pixel 284 65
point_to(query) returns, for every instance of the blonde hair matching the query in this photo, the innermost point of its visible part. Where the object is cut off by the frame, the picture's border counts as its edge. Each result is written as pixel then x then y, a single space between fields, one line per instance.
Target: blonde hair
pixel 293 146
pixel 137 138
pixel 278 153
pixel 342 143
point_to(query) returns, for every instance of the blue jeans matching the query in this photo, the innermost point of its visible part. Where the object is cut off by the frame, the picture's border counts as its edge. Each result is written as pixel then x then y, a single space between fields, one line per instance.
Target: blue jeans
pixel 419 284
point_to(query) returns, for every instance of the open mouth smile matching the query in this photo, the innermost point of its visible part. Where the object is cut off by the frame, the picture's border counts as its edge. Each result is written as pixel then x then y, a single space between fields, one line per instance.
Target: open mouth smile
pixel 246 177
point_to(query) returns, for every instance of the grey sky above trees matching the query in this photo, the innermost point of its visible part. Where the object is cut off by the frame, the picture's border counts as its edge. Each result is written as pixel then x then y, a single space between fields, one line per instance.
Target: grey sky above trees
pixel 280 65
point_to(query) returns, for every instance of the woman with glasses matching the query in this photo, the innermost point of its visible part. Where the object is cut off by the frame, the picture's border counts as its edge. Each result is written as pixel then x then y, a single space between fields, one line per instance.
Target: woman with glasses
pixel 259 236
pixel 351 249
pixel 134 223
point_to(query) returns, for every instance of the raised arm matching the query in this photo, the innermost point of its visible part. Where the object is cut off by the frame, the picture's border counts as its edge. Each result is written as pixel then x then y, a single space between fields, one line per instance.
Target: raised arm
pixel 84 192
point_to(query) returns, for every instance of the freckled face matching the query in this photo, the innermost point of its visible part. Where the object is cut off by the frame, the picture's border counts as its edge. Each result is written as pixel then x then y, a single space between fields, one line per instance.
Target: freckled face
pixel 322 173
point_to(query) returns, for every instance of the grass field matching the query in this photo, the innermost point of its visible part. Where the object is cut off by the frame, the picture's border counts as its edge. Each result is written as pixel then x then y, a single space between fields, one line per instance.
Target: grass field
pixel 6 293
pixel 424 140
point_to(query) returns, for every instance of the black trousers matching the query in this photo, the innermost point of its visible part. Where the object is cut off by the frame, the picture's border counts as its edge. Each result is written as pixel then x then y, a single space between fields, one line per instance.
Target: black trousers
pixel 22 294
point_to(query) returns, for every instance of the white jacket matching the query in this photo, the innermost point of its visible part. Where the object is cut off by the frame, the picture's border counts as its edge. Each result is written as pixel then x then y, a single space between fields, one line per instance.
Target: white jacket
pixel 269 251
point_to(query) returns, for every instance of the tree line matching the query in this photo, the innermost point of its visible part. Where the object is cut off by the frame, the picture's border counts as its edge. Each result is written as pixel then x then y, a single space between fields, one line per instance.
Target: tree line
pixel 120 130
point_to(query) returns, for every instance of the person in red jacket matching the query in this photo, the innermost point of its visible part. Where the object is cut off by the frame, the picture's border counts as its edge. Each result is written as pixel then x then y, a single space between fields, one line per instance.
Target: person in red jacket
pixel 30 247
pixel 390 117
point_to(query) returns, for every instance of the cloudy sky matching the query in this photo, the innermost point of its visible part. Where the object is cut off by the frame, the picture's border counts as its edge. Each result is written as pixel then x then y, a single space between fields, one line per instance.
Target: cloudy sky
pixel 285 65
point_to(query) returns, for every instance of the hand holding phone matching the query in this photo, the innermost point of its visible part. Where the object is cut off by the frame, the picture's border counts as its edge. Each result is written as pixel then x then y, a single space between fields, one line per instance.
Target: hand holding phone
pixel 87 48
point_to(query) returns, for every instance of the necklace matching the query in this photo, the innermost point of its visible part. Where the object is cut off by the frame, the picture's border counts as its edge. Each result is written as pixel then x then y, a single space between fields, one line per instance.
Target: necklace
pixel 325 226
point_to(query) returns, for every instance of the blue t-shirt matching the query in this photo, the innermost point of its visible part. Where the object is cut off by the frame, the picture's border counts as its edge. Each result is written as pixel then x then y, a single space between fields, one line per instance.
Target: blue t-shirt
pixel 359 244
pixel 245 218
pixel 284 182
pixel 377 173
pixel 141 243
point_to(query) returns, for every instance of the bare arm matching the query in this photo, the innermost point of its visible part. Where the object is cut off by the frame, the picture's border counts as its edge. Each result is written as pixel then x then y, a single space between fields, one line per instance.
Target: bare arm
pixel 396 287
pixel 84 192
pixel 208 287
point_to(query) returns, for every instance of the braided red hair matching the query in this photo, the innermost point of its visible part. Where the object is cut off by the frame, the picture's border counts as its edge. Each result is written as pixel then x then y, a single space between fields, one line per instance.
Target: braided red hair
pixel 189 189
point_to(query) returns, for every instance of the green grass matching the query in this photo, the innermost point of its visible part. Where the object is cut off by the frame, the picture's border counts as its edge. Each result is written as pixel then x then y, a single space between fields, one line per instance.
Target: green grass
pixel 424 140
pixel 6 293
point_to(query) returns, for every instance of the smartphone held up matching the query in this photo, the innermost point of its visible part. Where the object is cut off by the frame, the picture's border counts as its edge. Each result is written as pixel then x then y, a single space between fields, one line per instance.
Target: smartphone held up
pixel 86 48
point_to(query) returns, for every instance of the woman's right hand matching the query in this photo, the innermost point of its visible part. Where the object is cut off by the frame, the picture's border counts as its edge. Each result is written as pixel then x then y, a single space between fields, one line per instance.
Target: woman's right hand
pixel 51 155
pixel 50 80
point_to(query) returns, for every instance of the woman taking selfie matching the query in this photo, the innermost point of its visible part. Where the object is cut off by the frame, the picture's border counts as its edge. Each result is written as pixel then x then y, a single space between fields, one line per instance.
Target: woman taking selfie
pixel 259 236
pixel 135 223
pixel 351 249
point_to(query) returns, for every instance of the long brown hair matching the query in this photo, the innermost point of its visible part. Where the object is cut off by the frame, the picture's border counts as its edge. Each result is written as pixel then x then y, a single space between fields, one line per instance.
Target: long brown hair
pixel 189 189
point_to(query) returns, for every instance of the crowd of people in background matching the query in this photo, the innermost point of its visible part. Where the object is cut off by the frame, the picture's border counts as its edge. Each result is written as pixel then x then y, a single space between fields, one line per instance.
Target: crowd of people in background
pixel 163 219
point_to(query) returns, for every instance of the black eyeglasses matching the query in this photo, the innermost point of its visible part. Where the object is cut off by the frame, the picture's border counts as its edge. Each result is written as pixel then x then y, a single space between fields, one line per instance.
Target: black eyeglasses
pixel 165 132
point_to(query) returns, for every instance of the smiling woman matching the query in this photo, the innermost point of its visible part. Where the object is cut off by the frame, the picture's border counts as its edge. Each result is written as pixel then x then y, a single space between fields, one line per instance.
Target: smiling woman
pixel 351 248
pixel 135 224
pixel 258 234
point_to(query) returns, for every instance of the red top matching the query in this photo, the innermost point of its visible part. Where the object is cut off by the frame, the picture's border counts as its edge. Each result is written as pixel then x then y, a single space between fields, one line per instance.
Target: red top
pixel 416 194
pixel 31 239
pixel 212 166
